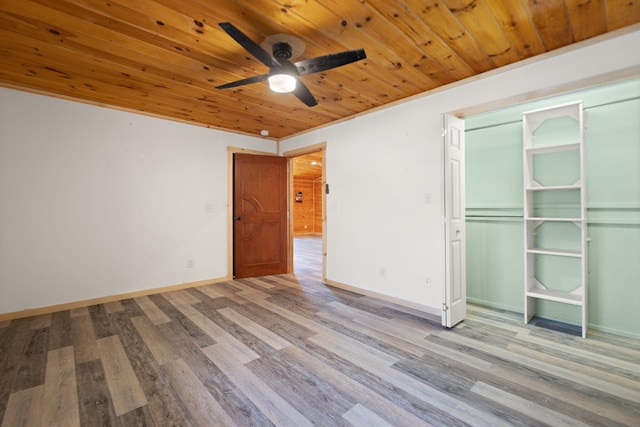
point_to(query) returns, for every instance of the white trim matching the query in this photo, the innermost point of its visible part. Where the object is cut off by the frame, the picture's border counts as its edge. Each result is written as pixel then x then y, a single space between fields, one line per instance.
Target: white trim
pixel 419 307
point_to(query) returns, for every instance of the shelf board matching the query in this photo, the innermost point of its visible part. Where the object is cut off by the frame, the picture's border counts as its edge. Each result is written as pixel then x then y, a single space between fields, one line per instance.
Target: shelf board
pixel 558 296
pixel 541 219
pixel 555 187
pixel 570 109
pixel 553 148
pixel 558 252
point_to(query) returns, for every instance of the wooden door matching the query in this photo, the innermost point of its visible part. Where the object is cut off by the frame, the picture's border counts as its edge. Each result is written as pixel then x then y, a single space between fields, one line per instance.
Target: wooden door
pixel 454 308
pixel 260 215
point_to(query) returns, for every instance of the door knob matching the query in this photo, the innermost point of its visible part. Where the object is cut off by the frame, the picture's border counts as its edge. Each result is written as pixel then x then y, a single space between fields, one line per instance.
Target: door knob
pixel 237 218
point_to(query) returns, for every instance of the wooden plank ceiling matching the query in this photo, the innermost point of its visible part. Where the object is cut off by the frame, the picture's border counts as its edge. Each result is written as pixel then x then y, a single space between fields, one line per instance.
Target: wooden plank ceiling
pixel 308 167
pixel 165 57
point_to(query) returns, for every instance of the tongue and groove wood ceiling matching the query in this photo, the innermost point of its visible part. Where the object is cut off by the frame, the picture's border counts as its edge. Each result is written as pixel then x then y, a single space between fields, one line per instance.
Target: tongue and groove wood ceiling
pixel 165 57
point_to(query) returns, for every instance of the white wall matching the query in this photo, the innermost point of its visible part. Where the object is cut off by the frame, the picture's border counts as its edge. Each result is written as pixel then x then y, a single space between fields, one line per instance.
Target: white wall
pixel 384 167
pixel 97 202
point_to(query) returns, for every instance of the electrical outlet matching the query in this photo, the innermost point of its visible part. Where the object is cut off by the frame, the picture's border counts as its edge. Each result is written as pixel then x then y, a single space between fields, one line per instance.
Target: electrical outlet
pixel 189 263
pixel 383 272
pixel 428 282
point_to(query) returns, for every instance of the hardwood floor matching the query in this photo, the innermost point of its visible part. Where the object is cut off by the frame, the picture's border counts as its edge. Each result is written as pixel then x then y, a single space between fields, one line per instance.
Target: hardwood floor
pixel 287 350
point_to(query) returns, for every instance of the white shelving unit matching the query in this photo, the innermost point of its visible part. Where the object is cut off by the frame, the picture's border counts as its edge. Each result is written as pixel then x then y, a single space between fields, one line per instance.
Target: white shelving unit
pixel 555 214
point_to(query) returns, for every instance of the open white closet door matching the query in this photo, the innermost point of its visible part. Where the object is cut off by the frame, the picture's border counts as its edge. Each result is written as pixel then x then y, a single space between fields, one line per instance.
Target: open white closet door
pixel 454 308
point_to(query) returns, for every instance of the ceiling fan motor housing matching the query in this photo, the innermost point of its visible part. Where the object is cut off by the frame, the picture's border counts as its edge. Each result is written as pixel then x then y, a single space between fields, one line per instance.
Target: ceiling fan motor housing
pixel 281 50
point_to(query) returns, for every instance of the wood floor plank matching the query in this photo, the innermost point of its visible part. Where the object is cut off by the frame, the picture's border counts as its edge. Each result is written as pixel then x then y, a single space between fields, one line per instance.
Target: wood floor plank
pixel 538 412
pixel 260 332
pixel 352 388
pixel 60 395
pixel 531 360
pixel 211 291
pixel 113 307
pixel 202 407
pixel 184 302
pixel 180 322
pixel 95 403
pixel 60 330
pixel 611 364
pixel 450 354
pixel 162 350
pixel 251 294
pixel 307 322
pixel 258 282
pixel 456 380
pixel 360 416
pixel 24 408
pixel 182 296
pixel 42 321
pixel 102 325
pixel 278 410
pixel 621 387
pixel 13 342
pixel 392 340
pixel 80 311
pixel 130 308
pixel 280 326
pixel 126 392
pixel 83 339
pixel 143 417
pixel 163 406
pixel 152 311
pixel 590 406
pixel 224 289
pixel 353 350
pixel 303 389
pixel 613 349
pixel 380 365
pixel 287 281
pixel 566 396
pixel 517 329
pixel 242 353
pixel 32 364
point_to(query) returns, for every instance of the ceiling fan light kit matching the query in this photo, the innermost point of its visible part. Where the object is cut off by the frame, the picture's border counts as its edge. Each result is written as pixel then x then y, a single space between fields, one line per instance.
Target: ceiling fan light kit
pixel 283 76
pixel 282 83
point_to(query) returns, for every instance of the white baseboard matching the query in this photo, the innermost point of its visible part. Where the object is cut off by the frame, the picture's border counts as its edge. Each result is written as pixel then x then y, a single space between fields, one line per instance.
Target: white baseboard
pixel 412 305
pixel 109 298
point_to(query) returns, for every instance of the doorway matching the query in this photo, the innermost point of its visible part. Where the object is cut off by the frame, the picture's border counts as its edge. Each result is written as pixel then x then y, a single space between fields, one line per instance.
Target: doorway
pixel 312 255
pixel 307 198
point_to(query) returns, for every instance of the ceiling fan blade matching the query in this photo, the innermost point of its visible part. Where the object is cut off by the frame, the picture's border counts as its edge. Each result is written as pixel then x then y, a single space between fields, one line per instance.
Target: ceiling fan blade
pixel 304 95
pixel 326 62
pixel 250 46
pixel 247 81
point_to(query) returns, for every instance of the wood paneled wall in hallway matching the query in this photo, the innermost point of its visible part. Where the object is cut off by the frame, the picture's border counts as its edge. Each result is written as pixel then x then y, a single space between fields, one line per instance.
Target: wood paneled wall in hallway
pixel 317 206
pixel 307 213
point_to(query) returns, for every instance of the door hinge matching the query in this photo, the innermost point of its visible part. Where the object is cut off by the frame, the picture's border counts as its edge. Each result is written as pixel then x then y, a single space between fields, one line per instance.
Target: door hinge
pixel 445 307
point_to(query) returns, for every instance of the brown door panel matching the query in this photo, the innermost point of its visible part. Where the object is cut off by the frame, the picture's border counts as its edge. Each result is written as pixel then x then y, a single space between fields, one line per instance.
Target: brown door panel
pixel 260 215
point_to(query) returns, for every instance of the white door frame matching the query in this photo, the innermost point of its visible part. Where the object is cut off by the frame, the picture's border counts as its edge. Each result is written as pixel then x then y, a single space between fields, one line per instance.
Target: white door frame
pixel 300 152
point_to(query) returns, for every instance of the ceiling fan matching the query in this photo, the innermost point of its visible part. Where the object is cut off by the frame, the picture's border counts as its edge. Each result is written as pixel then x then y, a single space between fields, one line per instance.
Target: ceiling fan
pixel 283 75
